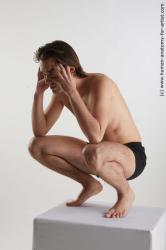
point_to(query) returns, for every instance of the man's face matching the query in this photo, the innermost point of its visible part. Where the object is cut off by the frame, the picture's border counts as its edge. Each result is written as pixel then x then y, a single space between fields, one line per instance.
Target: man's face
pixel 48 67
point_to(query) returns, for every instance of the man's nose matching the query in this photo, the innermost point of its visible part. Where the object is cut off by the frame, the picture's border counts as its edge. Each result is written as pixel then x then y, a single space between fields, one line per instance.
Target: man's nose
pixel 52 73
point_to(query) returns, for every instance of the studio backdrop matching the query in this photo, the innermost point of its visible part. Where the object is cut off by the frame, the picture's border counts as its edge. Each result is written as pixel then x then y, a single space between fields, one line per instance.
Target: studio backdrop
pixel 122 39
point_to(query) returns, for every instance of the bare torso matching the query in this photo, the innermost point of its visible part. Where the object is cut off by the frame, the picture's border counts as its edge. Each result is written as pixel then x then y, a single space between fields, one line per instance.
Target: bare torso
pixel 121 127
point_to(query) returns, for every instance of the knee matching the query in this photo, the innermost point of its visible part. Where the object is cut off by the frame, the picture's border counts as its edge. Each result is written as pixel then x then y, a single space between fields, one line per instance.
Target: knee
pixel 34 146
pixel 91 154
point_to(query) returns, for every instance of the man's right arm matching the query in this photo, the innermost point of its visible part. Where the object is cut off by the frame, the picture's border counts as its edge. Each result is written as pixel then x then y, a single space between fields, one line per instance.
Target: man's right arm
pixel 42 121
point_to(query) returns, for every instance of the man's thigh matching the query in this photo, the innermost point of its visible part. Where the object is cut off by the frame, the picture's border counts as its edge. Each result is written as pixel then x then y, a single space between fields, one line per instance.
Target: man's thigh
pixel 66 147
pixel 116 152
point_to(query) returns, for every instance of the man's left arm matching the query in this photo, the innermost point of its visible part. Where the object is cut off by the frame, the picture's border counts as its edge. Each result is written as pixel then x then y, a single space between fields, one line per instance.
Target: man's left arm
pixel 93 123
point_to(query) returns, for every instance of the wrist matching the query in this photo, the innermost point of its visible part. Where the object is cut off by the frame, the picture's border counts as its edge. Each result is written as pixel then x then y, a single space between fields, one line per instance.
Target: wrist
pixel 37 93
pixel 73 93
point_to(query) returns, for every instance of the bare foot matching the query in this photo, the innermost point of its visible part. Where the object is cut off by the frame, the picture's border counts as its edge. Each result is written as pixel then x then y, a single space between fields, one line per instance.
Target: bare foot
pixel 121 207
pixel 91 189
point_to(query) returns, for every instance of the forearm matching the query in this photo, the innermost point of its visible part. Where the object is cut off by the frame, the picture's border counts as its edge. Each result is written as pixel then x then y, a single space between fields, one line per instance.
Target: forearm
pixel 38 118
pixel 87 122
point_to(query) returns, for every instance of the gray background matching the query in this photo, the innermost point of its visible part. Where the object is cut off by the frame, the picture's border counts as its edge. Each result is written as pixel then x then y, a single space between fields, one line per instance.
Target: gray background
pixel 118 38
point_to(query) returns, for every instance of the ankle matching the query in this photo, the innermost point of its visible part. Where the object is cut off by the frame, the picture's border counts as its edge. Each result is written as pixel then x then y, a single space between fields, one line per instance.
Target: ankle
pixel 124 191
pixel 86 184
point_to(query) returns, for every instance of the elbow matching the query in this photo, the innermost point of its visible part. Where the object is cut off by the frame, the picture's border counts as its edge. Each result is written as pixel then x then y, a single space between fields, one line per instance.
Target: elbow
pixel 97 136
pixel 38 134
pixel 95 139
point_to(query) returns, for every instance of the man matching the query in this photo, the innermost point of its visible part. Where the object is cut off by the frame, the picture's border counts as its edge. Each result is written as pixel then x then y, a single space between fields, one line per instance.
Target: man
pixel 115 152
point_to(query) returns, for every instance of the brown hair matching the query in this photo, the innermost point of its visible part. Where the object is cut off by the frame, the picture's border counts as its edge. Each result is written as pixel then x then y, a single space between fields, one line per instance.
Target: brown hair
pixel 63 53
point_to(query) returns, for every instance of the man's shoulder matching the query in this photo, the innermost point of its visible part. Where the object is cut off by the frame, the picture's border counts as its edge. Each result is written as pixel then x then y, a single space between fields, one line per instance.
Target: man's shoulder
pixel 101 80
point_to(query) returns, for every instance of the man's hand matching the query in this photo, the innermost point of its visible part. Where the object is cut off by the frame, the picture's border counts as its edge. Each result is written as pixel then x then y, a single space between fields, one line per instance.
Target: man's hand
pixel 46 81
pixel 63 81
pixel 41 82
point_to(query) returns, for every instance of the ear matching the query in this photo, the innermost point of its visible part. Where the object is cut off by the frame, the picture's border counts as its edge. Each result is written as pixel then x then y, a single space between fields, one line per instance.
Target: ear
pixel 72 69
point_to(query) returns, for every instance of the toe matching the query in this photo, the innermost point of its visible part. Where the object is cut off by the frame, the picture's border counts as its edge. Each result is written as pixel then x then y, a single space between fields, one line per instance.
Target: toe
pixel 109 213
pixel 113 215
pixel 112 211
pixel 123 213
pixel 117 215
pixel 72 203
pixel 120 214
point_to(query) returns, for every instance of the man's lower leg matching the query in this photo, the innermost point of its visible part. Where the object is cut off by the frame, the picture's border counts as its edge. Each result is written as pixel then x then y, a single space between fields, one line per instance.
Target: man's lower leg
pixel 90 185
pixel 63 167
pixel 114 176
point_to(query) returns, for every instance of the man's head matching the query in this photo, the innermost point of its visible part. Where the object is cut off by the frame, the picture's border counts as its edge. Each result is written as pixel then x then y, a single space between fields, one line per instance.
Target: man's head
pixel 56 52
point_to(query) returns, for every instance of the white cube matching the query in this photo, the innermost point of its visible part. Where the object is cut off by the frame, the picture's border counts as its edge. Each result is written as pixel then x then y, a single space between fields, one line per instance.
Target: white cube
pixel 86 228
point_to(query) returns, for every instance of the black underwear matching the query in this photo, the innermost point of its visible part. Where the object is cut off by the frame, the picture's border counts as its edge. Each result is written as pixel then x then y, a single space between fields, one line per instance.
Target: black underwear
pixel 140 157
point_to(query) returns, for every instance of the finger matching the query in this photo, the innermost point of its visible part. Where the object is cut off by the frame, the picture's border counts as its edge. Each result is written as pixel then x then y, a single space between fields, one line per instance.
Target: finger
pixel 61 76
pixel 63 71
pixel 68 71
pixel 40 74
